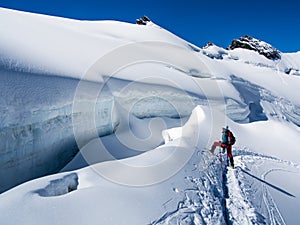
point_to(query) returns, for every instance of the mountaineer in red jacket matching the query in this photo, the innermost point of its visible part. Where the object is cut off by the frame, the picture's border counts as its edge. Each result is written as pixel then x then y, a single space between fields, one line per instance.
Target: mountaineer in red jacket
pixel 228 140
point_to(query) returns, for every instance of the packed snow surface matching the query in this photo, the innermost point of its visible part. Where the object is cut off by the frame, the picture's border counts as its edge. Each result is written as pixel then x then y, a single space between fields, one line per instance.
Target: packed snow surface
pixel 124 115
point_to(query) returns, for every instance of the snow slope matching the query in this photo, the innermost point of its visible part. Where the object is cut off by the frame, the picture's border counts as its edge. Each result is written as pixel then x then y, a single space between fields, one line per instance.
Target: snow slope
pixel 196 194
pixel 60 46
pixel 137 205
pixel 142 107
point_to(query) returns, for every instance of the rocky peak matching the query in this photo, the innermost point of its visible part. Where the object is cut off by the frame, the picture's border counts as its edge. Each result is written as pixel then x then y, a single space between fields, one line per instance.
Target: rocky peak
pixel 254 44
pixel 143 21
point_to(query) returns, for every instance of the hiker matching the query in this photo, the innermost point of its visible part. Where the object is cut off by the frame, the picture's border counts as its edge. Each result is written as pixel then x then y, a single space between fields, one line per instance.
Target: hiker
pixel 228 140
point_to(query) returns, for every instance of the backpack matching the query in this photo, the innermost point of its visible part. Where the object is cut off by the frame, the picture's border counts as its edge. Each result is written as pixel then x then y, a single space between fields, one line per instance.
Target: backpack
pixel 232 138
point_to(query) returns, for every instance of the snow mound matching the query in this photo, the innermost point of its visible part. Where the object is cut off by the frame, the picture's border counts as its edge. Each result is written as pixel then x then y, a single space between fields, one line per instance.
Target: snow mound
pixel 214 52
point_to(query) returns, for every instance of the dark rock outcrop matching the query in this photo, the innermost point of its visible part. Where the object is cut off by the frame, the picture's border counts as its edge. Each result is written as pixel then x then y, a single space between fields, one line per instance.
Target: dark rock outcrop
pixel 254 44
pixel 143 21
pixel 292 71
pixel 208 45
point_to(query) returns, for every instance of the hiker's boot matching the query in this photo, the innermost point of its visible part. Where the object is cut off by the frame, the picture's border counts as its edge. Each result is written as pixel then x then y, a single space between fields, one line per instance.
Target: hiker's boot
pixel 231 163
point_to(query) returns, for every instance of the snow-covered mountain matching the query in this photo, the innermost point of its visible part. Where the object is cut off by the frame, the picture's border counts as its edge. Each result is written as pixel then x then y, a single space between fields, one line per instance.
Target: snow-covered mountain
pixel 126 114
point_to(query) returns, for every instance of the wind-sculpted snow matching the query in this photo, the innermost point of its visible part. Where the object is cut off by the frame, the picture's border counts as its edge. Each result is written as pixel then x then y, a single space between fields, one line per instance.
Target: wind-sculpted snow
pixel 194 194
pixel 256 97
pixel 200 190
pixel 36 125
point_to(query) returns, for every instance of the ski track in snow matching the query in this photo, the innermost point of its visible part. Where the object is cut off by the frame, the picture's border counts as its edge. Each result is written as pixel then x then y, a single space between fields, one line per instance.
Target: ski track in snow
pixel 229 193
pixel 199 206
pixel 243 190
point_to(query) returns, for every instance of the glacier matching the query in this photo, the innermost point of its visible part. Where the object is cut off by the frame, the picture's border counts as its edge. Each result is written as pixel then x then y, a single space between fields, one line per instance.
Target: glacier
pixel 36 125
pixel 117 119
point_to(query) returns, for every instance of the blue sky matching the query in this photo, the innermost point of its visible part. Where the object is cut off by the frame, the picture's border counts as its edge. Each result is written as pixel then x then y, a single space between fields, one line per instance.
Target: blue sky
pixel 197 21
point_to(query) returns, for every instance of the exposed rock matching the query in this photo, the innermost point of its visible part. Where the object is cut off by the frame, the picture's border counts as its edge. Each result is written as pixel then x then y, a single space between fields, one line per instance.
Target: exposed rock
pixel 146 19
pixel 254 44
pixel 292 71
pixel 208 45
pixel 143 21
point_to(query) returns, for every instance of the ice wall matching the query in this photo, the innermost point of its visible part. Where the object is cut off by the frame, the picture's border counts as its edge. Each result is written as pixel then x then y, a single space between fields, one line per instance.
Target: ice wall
pixel 38 117
pixel 36 128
